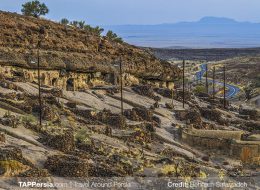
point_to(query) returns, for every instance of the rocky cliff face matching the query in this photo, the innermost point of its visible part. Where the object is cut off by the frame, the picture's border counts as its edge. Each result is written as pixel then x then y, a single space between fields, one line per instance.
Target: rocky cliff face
pixel 72 49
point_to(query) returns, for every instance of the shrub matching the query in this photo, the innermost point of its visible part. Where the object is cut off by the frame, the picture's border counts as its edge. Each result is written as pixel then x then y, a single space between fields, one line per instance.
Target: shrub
pixel 200 89
pixel 113 36
pixel 64 21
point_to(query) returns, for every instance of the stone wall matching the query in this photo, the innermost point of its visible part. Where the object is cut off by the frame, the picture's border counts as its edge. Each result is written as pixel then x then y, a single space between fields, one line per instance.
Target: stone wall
pixel 225 141
pixel 218 134
pixel 238 147
pixel 207 142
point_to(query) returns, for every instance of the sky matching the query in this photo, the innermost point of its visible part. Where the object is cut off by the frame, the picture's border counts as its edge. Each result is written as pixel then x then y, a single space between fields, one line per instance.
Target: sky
pixel 118 12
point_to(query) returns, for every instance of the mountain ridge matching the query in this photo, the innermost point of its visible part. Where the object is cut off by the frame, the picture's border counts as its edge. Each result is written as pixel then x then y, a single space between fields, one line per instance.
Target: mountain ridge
pixel 201 20
pixel 208 32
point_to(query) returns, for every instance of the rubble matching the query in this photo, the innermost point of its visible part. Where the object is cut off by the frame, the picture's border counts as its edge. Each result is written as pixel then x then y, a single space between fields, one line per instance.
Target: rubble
pixel 109 90
pixel 251 126
pixel 54 92
pixel 13 153
pixel 250 113
pixel 139 114
pixel 102 170
pixel 103 117
pixel 10 120
pixel 51 99
pixel 49 114
pixel 35 173
pixel 213 115
pixel 89 115
pixel 109 118
pixel 63 140
pixel 176 95
pixel 67 166
pixel 192 116
pixel 146 90
pixel 12 161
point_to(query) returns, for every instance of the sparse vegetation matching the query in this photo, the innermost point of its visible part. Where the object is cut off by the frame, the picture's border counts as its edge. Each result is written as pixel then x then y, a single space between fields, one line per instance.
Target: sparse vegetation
pixel 29 119
pixel 82 136
pixel 83 26
pixel 34 8
pixel 200 89
pixel 64 21
pixel 113 36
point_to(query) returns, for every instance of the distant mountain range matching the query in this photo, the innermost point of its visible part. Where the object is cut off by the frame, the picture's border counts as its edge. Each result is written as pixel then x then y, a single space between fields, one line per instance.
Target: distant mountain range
pixel 209 32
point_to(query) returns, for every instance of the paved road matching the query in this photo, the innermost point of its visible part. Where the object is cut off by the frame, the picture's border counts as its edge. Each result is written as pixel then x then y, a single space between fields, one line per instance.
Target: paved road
pixel 232 90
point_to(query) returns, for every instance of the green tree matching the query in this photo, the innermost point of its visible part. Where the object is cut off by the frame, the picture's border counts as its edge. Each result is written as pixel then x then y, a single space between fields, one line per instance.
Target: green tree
pixel 64 21
pixel 113 36
pixel 34 8
pixel 98 30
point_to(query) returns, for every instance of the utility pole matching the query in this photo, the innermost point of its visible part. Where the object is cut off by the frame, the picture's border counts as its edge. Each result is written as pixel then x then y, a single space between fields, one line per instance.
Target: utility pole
pixel 214 70
pixel 39 84
pixel 41 32
pixel 183 83
pixel 121 87
pixel 224 75
pixel 207 84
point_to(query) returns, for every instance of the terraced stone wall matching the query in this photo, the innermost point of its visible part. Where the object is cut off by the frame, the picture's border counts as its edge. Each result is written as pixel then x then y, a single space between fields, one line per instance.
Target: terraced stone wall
pixel 227 144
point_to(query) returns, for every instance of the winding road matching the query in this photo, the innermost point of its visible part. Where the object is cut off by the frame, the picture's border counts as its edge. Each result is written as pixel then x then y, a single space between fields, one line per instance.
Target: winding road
pixel 232 90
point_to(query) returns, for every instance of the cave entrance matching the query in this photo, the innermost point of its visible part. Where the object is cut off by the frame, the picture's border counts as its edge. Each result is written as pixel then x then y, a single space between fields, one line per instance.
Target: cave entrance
pixel 54 82
pixel 70 84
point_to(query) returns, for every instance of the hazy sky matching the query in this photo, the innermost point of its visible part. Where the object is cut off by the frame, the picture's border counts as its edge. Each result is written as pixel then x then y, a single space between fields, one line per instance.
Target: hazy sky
pixel 113 12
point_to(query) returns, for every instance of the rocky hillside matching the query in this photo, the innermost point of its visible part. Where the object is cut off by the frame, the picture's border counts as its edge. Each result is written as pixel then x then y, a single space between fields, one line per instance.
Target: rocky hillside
pixel 67 47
